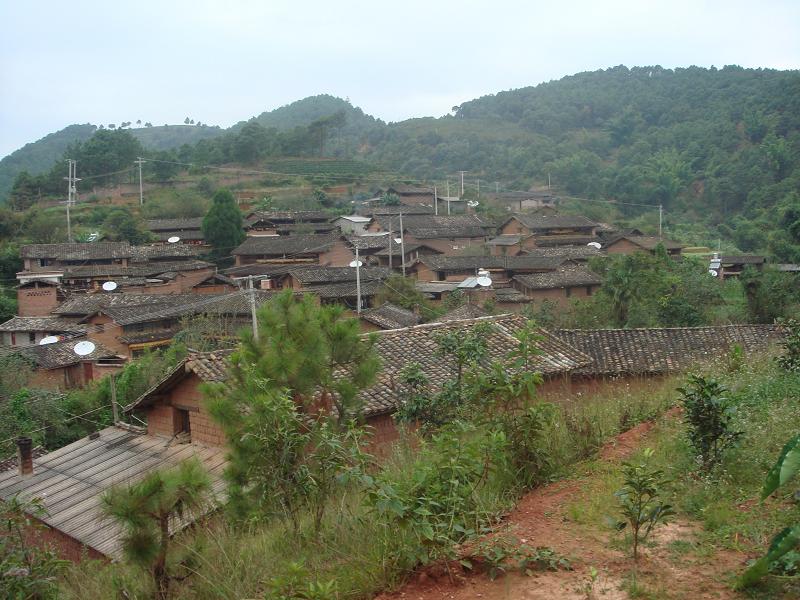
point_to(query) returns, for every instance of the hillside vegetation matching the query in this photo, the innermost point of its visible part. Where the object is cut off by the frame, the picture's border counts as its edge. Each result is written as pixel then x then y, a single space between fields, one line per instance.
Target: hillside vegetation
pixel 718 148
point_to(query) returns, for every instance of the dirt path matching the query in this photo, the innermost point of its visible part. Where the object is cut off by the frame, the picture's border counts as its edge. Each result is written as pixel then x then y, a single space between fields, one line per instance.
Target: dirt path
pixel 670 567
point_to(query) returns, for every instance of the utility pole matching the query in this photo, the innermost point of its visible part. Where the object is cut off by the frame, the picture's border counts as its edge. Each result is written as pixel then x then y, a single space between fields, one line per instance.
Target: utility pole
pixel 402 245
pixel 435 201
pixel 252 294
pixel 496 187
pixel 391 242
pixel 660 218
pixel 114 409
pixel 71 192
pixel 479 189
pixel 548 180
pixel 462 183
pixel 139 160
pixel 448 188
pixel 358 283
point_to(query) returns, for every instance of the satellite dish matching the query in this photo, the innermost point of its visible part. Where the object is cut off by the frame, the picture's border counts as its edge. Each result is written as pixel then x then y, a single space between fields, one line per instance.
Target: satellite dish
pixel 484 281
pixel 174 239
pixel 110 286
pixel 398 240
pixel 712 272
pixel 50 339
pixel 594 245
pixel 472 203
pixel 356 263
pixel 83 348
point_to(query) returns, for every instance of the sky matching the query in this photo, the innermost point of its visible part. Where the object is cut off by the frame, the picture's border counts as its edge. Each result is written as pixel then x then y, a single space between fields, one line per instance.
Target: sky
pixel 221 62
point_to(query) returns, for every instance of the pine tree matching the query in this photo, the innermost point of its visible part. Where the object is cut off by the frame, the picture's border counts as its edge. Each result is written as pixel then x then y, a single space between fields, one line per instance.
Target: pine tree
pixel 146 508
pixel 222 226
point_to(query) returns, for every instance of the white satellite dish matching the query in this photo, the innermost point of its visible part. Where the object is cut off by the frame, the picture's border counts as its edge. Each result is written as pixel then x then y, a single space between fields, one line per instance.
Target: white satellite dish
pixel 110 286
pixel 472 203
pixel 83 348
pixel 50 339
pixel 712 272
pixel 356 263
pixel 398 240
pixel 594 245
pixel 174 239
pixel 484 281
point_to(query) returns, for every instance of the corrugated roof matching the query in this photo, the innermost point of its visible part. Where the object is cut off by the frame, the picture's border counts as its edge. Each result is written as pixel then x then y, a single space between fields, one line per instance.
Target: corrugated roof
pixel 569 276
pixel 661 350
pixel 390 316
pixel 71 480
pixel 283 245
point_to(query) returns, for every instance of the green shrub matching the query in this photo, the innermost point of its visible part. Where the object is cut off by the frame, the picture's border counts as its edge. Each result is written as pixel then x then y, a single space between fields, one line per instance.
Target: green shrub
pixel 709 414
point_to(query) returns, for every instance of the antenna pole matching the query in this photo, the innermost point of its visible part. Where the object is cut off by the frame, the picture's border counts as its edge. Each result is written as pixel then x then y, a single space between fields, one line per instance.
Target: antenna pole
pixel 252 295
pixel 71 192
pixel 402 244
pixel 114 409
pixel 358 283
pixel 139 160
pixel 448 188
pixel 462 183
pixel 479 189
pixel 435 202
pixel 548 180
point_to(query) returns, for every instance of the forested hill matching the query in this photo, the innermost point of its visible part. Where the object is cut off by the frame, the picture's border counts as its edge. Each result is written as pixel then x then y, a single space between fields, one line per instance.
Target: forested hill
pixel 719 148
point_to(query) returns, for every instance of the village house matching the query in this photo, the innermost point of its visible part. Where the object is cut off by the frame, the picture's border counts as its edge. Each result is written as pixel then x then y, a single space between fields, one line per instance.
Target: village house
pixel 502 269
pixel 540 230
pixel 412 195
pixel 560 285
pixel 733 265
pixel 631 243
pixel 29 331
pixel 352 224
pixel 57 366
pixel 445 234
pixel 305 222
pixel 386 251
pixel 188 229
pixel 544 202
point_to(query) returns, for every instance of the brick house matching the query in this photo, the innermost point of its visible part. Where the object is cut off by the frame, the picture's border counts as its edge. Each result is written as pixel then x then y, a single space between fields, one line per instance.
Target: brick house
pixel 541 230
pixel 560 285
pixel 412 195
pixel 631 243
pixel 29 331
pixel 58 367
pixel 188 229
pixel 325 249
pixel 502 269
pixel 447 234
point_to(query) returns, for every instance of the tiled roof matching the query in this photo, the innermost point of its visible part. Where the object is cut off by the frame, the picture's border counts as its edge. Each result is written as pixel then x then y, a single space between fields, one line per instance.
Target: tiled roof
pixel 742 259
pixel 51 324
pixel 433 226
pixel 62 354
pixel 78 251
pixel 542 222
pixel 511 295
pixel 505 240
pixel 283 245
pixel 509 263
pixel 71 480
pixel 147 269
pixel 564 240
pixel 175 224
pixel 90 303
pixel 465 311
pixel 582 252
pixel 402 188
pixel 399 347
pixel 286 216
pixel 390 316
pixel 653 351
pixel 315 275
pixel 345 290
pixel 569 276
pixel 190 235
pixel 648 242
pixel 145 253
pixel 400 208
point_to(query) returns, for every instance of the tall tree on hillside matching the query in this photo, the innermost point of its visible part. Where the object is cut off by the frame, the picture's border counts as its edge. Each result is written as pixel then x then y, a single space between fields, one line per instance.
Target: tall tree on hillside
pixel 222 226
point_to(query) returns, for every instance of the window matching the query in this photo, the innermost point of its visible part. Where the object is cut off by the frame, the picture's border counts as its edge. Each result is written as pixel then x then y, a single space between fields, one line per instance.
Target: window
pixel 589 290
pixel 568 292
pixel 32 337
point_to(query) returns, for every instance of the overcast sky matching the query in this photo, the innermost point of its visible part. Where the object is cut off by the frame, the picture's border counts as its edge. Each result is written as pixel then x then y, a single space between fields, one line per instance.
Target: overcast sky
pixel 223 61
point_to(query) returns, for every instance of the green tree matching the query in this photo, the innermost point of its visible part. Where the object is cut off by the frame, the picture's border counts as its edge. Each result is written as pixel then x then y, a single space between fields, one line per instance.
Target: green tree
pixel 222 225
pixel 146 509
pixel 121 225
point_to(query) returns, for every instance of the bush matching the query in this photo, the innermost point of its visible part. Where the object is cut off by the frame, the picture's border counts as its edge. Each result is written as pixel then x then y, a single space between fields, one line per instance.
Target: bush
pixel 709 414
pixel 790 359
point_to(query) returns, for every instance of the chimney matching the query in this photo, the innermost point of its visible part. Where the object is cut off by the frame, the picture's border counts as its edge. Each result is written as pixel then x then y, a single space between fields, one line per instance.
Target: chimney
pixel 25 455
